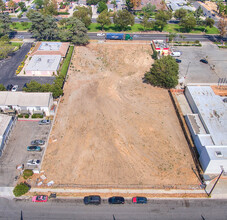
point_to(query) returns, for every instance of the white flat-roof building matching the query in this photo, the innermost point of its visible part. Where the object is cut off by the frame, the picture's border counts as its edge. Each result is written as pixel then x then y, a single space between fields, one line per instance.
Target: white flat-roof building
pixel 26 102
pixel 208 126
pixel 6 125
pixel 43 65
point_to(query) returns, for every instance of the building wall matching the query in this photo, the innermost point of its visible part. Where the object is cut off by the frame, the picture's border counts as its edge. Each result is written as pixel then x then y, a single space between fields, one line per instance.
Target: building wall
pixel 6 134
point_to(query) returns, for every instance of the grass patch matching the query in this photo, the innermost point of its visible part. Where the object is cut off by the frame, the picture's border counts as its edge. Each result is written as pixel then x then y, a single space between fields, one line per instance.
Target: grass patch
pixel 20 26
pixel 65 65
pixel 16 44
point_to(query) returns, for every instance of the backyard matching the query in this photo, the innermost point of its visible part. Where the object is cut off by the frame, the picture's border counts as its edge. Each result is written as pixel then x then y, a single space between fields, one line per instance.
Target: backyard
pixel 113 130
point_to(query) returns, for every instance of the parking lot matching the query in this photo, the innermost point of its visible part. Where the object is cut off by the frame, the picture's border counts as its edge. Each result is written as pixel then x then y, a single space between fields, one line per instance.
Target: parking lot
pixel 16 150
pixel 193 71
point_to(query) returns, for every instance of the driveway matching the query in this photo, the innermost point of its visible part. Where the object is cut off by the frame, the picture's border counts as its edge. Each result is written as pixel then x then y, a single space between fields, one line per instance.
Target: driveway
pixel 9 66
pixel 15 151
pixel 193 71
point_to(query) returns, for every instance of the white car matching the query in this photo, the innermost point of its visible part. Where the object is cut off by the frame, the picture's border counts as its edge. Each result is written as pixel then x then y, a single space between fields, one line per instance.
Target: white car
pixel 33 162
pixel 100 34
pixel 175 54
pixel 14 89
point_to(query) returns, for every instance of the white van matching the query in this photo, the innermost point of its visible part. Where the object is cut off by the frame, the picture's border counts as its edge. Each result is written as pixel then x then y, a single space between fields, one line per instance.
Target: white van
pixel 175 54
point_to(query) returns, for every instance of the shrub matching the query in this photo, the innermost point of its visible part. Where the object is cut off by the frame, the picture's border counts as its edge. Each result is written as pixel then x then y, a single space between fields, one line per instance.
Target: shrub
pixel 197 41
pixel 27 173
pixel 27 116
pixel 20 189
pixel 20 116
pixel 37 116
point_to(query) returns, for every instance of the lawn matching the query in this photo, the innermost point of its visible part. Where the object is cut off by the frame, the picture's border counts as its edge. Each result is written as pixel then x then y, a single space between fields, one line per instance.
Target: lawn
pixel 20 26
pixel 175 28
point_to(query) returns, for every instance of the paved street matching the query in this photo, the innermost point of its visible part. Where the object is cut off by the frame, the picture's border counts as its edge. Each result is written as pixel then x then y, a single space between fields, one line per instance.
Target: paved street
pixel 9 66
pixel 180 209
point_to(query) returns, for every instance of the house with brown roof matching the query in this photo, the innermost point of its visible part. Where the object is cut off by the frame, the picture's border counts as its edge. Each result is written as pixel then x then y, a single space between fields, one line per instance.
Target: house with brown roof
pixel 50 48
pixel 160 4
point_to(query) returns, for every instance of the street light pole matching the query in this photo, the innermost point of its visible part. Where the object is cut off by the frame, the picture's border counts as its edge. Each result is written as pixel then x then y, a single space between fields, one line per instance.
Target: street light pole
pixel 216 182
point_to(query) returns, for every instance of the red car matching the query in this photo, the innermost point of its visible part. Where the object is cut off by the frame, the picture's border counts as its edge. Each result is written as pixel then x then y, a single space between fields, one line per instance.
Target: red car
pixel 39 198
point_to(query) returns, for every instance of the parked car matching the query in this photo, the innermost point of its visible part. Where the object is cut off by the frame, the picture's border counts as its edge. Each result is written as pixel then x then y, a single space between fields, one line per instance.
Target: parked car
pixel 44 122
pixel 178 60
pixel 9 87
pixel 93 200
pixel 14 89
pixel 175 54
pixel 116 200
pixel 38 142
pixel 41 198
pixel 33 162
pixel 100 34
pixel 33 148
pixel 204 61
pixel 53 196
pixel 139 200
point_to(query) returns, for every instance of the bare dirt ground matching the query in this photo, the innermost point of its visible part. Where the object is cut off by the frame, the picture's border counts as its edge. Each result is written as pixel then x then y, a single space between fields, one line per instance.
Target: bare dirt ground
pixel 112 129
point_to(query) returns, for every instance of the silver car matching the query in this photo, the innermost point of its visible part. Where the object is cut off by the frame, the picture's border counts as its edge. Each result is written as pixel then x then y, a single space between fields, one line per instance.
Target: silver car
pixel 38 142
pixel 33 162
pixel 44 122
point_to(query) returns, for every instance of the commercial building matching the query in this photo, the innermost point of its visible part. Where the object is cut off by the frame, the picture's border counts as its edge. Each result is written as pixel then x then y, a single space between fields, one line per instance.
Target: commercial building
pixel 208 127
pixel 50 48
pixel 161 47
pixel 26 103
pixel 177 4
pixel 6 125
pixel 43 65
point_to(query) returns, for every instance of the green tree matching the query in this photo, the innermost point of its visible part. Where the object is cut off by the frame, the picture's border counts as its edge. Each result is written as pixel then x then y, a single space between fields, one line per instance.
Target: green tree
pixel 43 27
pixel 104 19
pixel 102 7
pixel 209 22
pixel 2 87
pixel 22 6
pixel 146 23
pixel 50 7
pixel 5 22
pixel 20 189
pixel 39 3
pixel 27 173
pixel 180 13
pixel 161 18
pixel 164 73
pixel 74 31
pixel 222 24
pixel 2 6
pixel 122 19
pixel 129 5
pixel 149 9
pixel 84 14
pixel 188 23
pixel 221 8
pixel 5 49
pixel 95 2
pixel 33 86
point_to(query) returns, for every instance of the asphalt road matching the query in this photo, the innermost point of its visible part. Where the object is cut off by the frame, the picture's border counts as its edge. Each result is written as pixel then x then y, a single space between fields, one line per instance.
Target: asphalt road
pixel 177 209
pixel 9 66
pixel 138 36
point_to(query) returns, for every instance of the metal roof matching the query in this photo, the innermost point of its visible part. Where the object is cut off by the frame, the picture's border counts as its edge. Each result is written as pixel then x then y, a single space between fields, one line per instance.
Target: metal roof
pixel 212 111
pixel 27 99
pixel 44 63
pixel 50 46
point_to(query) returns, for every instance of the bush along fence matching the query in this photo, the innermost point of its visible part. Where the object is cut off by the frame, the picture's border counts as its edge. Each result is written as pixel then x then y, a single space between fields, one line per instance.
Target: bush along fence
pixel 187 43
pixel 57 87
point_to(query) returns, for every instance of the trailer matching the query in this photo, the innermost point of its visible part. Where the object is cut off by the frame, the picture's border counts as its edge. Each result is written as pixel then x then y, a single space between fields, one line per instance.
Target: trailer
pixel 118 36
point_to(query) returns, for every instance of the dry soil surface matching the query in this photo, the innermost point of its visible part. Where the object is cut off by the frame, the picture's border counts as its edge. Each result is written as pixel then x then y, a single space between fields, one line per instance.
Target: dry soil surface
pixel 112 129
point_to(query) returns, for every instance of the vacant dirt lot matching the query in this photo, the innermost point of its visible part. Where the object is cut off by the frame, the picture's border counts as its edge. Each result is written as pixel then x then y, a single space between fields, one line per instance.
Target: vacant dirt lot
pixel 113 129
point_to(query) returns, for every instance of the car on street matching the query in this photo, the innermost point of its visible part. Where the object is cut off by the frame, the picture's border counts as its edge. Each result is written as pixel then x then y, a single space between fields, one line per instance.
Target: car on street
pixel 100 34
pixel 33 162
pixel 116 200
pixel 41 198
pixel 14 89
pixel 53 196
pixel 204 61
pixel 9 87
pixel 178 60
pixel 33 148
pixel 139 200
pixel 38 142
pixel 44 122
pixel 93 200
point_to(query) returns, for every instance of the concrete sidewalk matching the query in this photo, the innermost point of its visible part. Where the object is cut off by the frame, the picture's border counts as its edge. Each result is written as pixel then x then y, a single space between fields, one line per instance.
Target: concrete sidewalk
pixel 6 191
